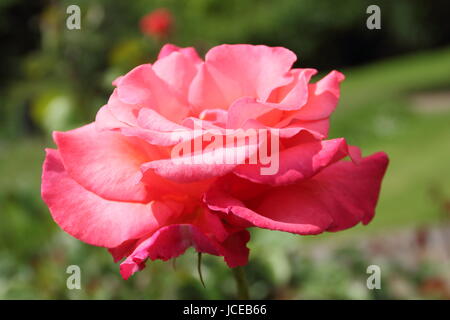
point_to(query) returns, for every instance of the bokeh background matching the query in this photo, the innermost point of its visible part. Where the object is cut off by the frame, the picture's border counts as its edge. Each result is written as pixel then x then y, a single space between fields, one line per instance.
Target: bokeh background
pixel 396 98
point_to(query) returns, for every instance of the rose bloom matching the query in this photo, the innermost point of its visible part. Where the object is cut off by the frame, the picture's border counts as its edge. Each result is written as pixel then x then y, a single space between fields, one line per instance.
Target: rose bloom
pixel 112 183
pixel 157 23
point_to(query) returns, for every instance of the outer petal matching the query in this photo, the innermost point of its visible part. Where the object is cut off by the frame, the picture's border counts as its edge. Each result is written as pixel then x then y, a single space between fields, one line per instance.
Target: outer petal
pixel 90 218
pixel 353 189
pixel 172 241
pixel 337 198
pixel 234 71
pixel 105 162
pixel 123 250
pixel 234 249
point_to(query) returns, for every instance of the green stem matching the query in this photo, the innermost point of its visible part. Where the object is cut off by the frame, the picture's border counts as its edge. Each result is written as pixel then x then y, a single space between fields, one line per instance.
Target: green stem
pixel 241 282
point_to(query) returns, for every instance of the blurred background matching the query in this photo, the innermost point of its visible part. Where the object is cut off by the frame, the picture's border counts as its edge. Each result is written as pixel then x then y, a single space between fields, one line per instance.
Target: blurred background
pixel 396 98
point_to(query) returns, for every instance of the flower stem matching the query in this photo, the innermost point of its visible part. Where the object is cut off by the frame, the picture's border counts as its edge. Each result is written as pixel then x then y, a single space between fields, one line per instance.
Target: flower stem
pixel 241 283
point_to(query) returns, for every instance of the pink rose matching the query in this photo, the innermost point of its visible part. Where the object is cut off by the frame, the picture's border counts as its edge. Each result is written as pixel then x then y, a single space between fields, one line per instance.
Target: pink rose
pixel 116 183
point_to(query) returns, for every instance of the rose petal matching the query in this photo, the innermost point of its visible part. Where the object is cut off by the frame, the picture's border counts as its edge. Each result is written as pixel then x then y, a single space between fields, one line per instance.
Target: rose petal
pixel 171 241
pixel 189 52
pixel 141 86
pixel 296 163
pixel 337 198
pixel 323 98
pixel 90 218
pixel 105 120
pixel 177 70
pixel 234 71
pixel 106 162
pixel 199 164
pixel 294 95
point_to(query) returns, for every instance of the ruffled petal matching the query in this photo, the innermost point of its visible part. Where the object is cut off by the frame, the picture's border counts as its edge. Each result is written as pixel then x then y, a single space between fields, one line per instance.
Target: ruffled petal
pixel 178 69
pixel 247 113
pixel 123 112
pixel 142 87
pixel 337 198
pixel 322 99
pixel 235 71
pixel 157 130
pixel 218 158
pixel 105 120
pixel 296 163
pixel 171 241
pixel 294 95
pixel 245 109
pixel 189 52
